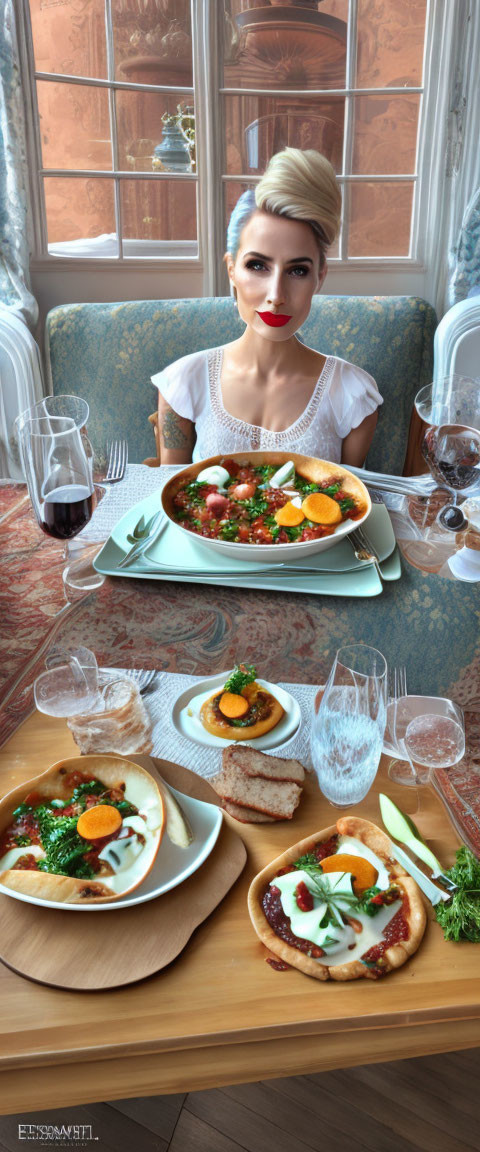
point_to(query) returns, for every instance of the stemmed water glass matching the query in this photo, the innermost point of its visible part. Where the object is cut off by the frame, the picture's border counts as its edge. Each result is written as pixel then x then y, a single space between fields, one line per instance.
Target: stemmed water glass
pixel 451 444
pixel 348 729
pixel 428 732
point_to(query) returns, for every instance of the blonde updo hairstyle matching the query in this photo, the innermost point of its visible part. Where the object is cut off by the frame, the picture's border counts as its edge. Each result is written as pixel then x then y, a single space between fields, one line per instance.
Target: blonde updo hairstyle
pixel 300 185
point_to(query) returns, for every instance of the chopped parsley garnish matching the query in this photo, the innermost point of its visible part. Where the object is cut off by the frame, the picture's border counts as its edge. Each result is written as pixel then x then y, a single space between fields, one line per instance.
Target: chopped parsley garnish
pixel 196 491
pixel 346 504
pixel 64 848
pixel 265 471
pixel 229 530
pixel 242 675
pixel 309 860
pixel 256 506
pixel 22 841
pixel 22 810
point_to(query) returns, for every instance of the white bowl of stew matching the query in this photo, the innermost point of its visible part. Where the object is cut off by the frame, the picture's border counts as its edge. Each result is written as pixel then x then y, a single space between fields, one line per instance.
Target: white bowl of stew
pixel 243 524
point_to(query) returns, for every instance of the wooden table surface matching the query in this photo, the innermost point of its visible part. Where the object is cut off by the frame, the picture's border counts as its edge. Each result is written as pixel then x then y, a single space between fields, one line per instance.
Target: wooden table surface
pixel 219 1014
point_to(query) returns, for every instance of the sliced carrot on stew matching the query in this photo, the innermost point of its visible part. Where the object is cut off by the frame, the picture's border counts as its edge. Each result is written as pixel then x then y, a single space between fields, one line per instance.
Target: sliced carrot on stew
pixel 289 515
pixel 321 509
pixel 232 705
pixel 101 820
pixel 364 873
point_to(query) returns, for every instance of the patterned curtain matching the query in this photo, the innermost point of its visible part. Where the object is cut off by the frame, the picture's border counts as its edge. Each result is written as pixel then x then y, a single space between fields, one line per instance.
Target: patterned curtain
pixel 14 224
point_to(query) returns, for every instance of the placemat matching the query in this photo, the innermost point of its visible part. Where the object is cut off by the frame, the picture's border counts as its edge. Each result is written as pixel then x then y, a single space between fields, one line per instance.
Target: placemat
pixel 137 483
pixel 100 952
pixel 206 762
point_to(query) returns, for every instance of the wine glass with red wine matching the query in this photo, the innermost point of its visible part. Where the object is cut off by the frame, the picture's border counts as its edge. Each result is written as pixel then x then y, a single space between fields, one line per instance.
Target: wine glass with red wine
pixel 58 475
pixel 451 444
pixel 60 484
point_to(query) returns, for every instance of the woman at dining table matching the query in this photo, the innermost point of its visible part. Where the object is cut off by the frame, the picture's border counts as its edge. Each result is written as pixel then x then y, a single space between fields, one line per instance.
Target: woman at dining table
pixel 268 390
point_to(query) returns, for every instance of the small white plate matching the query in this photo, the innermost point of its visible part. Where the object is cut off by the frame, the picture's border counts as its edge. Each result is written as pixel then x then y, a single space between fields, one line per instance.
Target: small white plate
pixel 192 728
pixel 172 865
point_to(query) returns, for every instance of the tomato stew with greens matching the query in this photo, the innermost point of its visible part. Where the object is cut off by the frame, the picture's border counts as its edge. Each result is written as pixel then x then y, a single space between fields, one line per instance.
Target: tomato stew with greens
pixel 244 509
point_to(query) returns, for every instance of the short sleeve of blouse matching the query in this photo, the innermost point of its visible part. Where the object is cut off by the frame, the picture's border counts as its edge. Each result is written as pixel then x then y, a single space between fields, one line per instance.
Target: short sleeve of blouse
pixel 184 385
pixel 352 395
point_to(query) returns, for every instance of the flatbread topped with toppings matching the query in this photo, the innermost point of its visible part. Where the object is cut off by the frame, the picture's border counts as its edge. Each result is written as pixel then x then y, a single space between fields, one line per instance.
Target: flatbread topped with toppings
pixel 86 831
pixel 338 906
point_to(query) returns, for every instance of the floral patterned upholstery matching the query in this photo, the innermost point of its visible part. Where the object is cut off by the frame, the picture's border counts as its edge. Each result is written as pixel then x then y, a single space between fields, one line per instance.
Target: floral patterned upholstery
pixel 108 352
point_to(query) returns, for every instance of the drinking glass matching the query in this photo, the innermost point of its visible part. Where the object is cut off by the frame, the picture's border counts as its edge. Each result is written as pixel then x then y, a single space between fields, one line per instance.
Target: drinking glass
pixel 451 444
pixel 69 407
pixel 433 731
pixel 347 730
pixel 58 475
pixel 70 684
pixel 57 461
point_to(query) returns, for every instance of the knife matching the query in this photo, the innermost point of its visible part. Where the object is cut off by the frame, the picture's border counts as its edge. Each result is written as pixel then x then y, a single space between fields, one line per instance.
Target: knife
pixel 402 827
pixel 434 894
pixel 158 524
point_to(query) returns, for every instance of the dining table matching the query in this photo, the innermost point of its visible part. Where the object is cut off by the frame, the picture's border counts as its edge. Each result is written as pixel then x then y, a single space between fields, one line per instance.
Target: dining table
pixel 218 1014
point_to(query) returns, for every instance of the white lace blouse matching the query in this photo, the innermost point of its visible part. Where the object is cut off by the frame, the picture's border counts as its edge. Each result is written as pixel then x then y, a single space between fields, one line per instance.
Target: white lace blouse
pixel 343 396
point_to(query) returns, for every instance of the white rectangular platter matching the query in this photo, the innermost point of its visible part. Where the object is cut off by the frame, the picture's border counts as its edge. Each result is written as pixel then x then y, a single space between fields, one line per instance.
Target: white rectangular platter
pixel 338 573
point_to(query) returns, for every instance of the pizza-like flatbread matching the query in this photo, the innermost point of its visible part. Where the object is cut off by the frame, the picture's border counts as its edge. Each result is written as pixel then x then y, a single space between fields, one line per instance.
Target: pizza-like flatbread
pixel 100 856
pixel 395 940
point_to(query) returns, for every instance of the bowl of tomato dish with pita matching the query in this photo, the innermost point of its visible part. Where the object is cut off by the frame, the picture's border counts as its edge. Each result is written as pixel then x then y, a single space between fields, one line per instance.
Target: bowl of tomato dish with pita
pixel 266 505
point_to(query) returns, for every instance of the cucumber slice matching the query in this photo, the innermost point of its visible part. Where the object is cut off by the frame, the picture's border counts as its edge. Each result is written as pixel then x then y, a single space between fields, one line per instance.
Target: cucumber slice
pixel 402 828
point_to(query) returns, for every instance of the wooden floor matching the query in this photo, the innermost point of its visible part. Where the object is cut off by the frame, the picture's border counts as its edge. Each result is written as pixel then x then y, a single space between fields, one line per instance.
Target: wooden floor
pixel 430 1104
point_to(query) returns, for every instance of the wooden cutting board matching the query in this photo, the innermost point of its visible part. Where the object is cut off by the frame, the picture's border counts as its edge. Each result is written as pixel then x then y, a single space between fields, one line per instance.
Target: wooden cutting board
pixel 79 952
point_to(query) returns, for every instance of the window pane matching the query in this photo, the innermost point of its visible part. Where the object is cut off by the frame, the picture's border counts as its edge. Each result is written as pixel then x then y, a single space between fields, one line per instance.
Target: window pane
pixel 69 37
pixel 380 217
pixel 385 134
pixel 83 211
pixel 153 42
pixel 257 127
pixel 284 47
pixel 390 43
pixel 74 126
pixel 140 131
pixel 159 210
pixel 232 193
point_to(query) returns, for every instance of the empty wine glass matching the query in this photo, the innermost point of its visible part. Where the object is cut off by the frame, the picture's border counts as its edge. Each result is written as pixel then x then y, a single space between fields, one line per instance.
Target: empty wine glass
pixel 433 731
pixel 451 444
pixel 347 730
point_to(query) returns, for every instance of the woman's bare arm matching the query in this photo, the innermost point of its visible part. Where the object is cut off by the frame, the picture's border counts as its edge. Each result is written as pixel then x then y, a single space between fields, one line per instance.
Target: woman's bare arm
pixel 176 435
pixel 356 444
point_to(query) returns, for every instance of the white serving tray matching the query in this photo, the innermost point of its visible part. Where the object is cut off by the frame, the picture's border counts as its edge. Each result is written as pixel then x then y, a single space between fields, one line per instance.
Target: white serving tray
pixel 339 573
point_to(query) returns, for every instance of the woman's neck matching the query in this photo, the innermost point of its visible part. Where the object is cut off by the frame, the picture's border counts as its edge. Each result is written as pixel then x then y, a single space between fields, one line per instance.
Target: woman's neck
pixel 264 358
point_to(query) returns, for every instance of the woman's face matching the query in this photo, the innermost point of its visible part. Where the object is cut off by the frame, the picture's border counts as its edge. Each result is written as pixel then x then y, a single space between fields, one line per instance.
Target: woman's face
pixel 276 272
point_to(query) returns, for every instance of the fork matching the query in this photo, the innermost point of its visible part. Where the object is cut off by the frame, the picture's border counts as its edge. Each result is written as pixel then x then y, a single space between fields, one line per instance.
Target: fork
pixel 117 462
pixel 363 549
pixel 141 677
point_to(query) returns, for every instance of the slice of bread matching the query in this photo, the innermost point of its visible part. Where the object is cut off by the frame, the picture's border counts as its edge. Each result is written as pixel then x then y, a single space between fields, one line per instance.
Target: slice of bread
pixel 277 798
pixel 247 815
pixel 253 763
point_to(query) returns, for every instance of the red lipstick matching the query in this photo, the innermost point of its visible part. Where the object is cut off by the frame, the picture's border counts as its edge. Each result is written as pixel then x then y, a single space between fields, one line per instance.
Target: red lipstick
pixel 274 319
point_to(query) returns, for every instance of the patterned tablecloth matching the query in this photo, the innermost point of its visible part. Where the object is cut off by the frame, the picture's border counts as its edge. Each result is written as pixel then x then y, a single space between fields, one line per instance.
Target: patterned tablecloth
pixel 428 623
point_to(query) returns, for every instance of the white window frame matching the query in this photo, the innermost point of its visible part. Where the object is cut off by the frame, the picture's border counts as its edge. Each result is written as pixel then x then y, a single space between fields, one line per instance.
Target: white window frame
pixel 441 95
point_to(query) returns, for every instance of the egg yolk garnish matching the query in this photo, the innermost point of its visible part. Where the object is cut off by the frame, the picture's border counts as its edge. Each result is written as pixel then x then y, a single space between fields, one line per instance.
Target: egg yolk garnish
pixel 364 873
pixel 101 820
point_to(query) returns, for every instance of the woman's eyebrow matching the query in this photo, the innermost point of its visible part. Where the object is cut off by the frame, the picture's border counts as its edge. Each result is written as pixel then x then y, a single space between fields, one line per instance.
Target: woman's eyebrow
pixel 297 260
